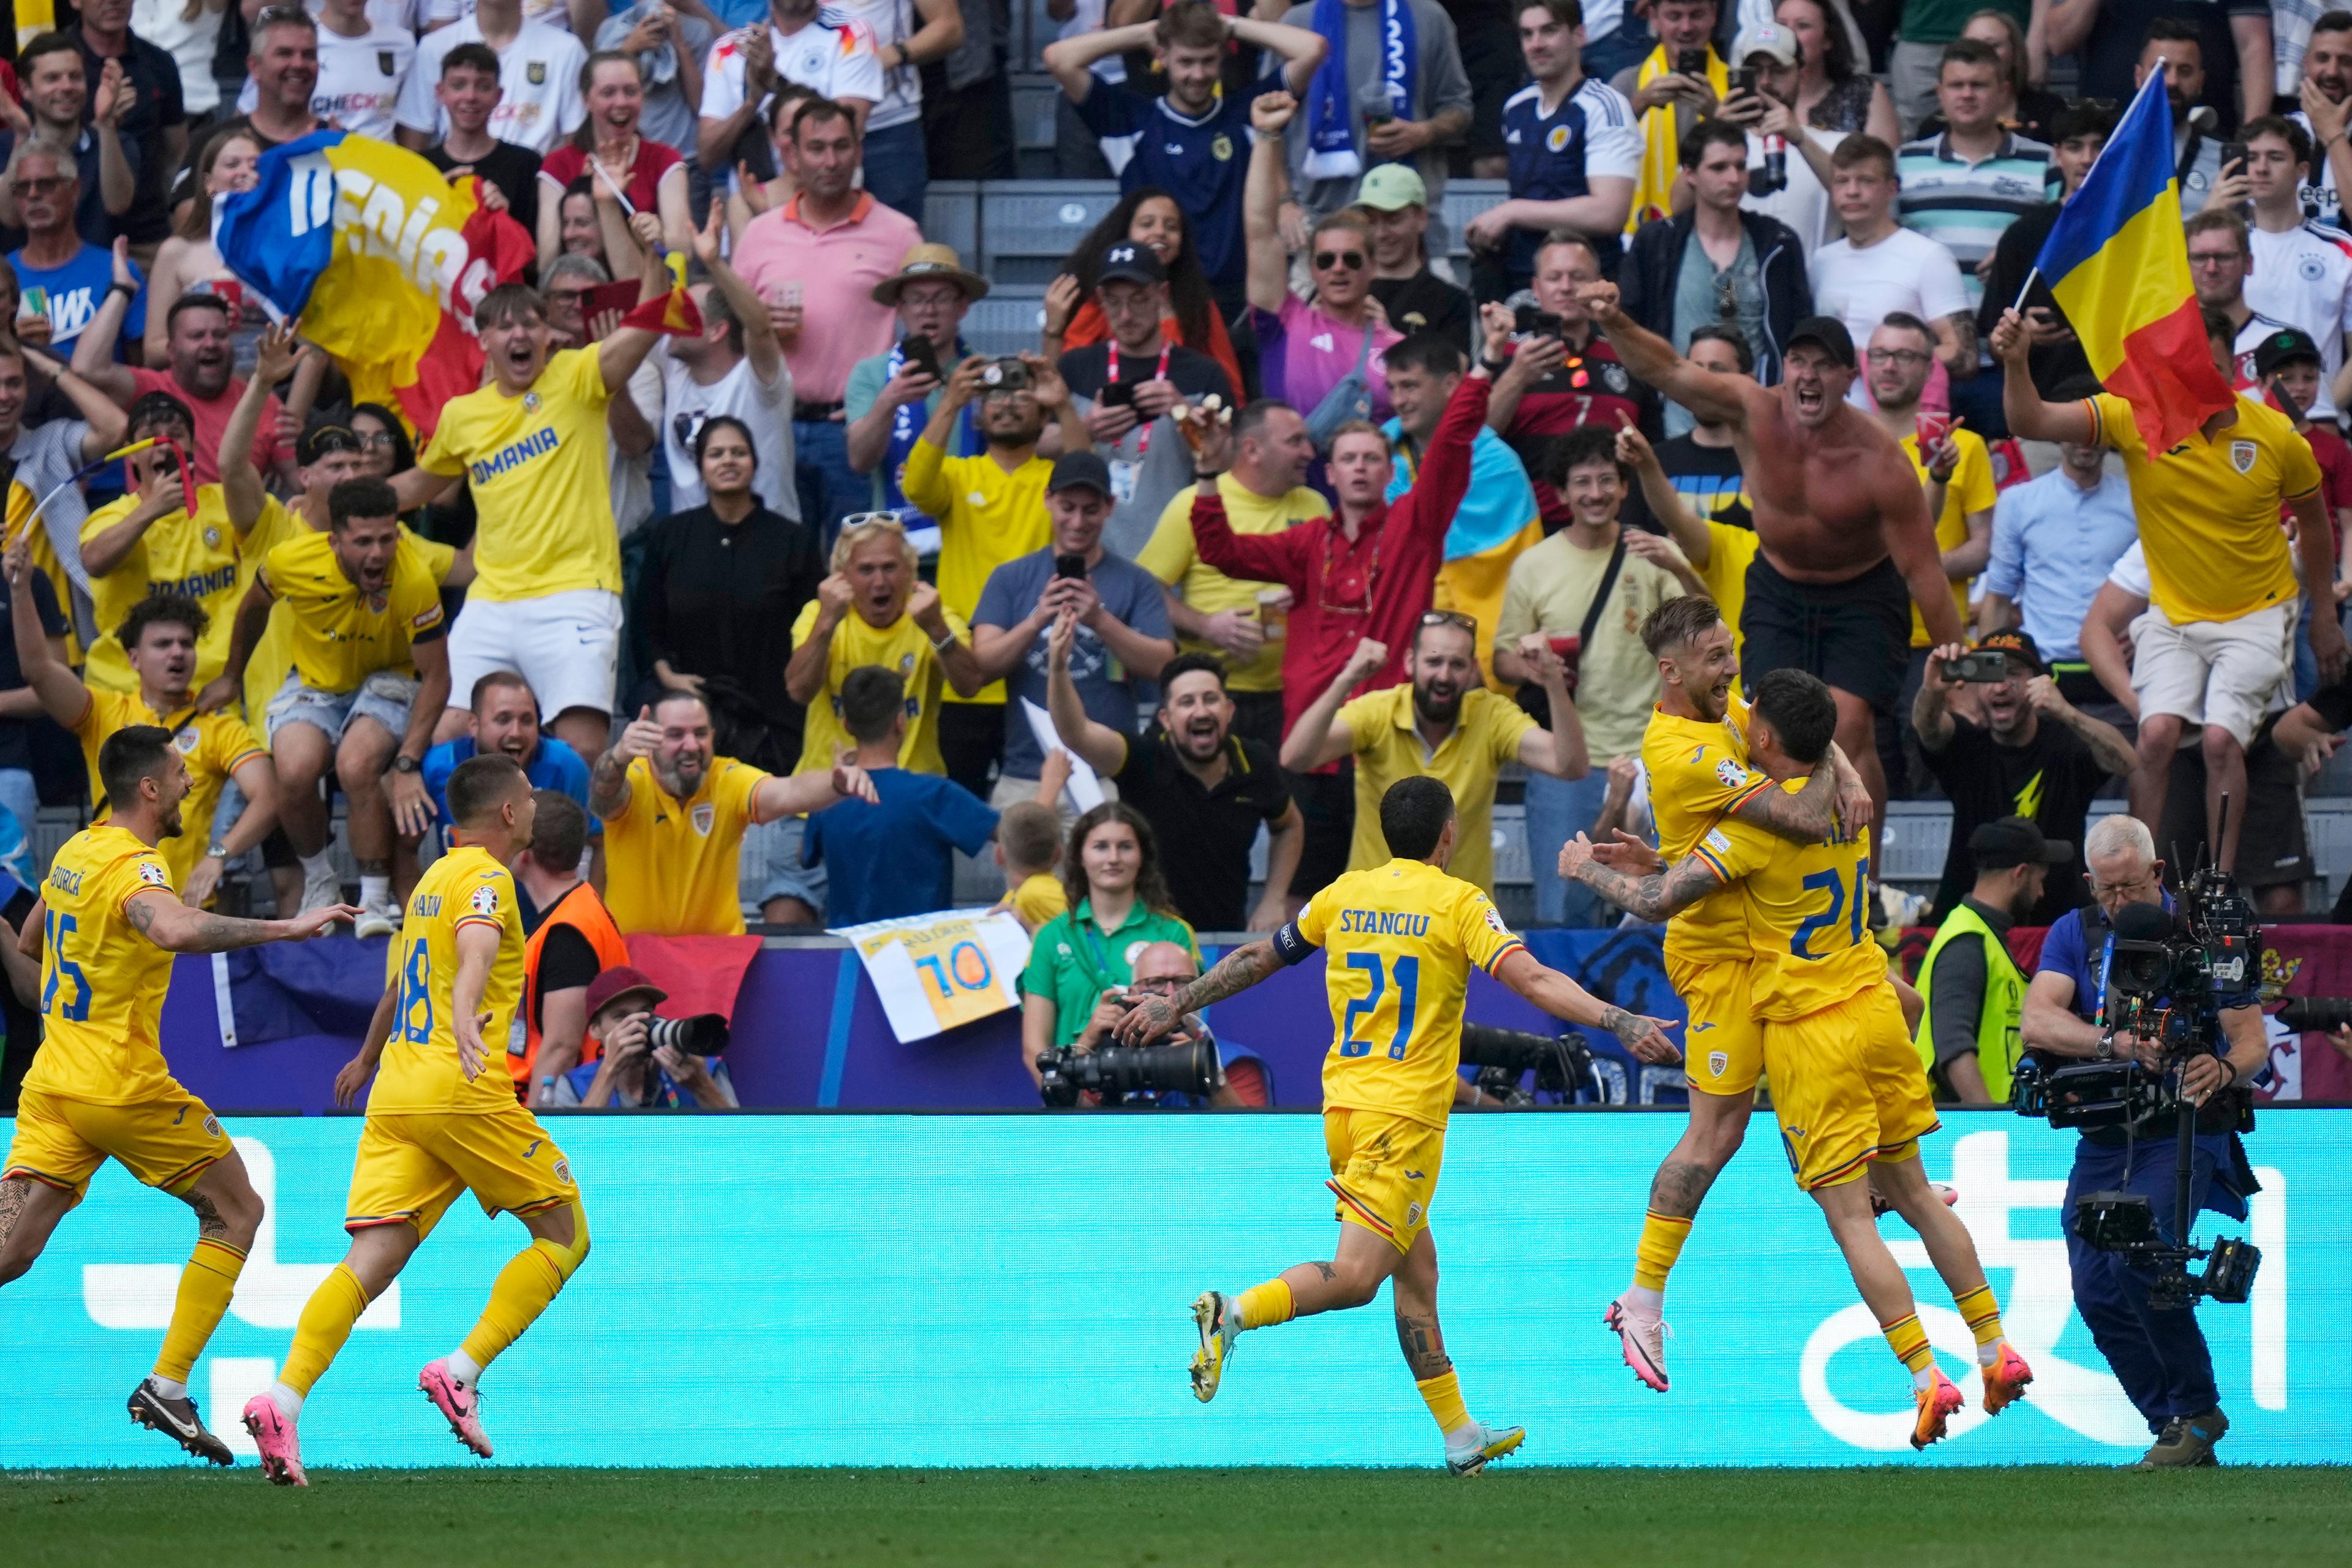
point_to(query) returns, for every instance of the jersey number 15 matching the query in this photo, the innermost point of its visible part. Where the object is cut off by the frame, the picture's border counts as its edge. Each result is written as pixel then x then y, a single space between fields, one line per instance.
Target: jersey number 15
pixel 1408 985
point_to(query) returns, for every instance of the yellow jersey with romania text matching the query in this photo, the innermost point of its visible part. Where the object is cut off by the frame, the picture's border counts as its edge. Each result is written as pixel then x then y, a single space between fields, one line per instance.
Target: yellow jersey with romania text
pixel 420 1071
pixel 102 981
pixel 539 465
pixel 341 635
pixel 1698 774
pixel 1808 914
pixel 1398 943
pixel 212 745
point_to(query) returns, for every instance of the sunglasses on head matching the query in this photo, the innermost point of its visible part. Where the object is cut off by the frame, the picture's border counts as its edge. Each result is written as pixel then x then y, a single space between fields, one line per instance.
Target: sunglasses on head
pixel 1353 260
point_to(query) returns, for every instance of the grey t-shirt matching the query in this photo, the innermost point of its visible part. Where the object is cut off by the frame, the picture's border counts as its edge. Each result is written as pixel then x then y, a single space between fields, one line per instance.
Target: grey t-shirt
pixel 1439 84
pixel 1105 686
pixel 668 118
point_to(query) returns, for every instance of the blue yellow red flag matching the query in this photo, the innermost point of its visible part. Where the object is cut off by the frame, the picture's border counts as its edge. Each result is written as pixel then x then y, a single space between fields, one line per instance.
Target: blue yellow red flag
pixel 381 257
pixel 2118 262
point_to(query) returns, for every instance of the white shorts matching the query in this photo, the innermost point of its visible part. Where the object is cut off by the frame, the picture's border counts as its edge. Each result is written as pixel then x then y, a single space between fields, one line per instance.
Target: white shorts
pixel 2220 674
pixel 568 646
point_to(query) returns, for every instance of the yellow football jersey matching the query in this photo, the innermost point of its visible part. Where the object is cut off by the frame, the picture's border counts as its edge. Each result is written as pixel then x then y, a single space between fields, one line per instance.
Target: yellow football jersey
pixel 420 1070
pixel 540 468
pixel 211 744
pixel 102 981
pixel 671 865
pixel 197 556
pixel 340 636
pixel 1699 773
pixel 1807 908
pixel 1398 943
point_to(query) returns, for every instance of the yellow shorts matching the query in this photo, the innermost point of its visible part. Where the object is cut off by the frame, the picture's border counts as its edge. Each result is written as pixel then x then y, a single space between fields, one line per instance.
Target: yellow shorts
pixel 1847 1088
pixel 1723 1047
pixel 168 1142
pixel 410 1168
pixel 1384 1171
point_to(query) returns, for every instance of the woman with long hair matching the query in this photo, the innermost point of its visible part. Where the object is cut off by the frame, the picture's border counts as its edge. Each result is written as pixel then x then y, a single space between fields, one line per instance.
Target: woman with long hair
pixel 2028 110
pixel 1084 959
pixel 1833 92
pixel 385 447
pixel 1148 216
pixel 638 173
pixel 188 261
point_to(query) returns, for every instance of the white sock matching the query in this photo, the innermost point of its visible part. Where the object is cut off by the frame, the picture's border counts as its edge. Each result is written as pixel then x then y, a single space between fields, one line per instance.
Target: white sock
pixel 463 1368
pixel 166 1387
pixel 1925 1378
pixel 315 867
pixel 1469 1434
pixel 1649 1300
pixel 1988 1354
pixel 289 1403
pixel 374 890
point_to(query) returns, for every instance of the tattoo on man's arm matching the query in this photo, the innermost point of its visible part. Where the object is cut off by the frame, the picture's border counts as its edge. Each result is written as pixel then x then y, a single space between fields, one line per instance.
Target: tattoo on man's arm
pixel 140 915
pixel 1235 972
pixel 1649 898
pixel 1803 817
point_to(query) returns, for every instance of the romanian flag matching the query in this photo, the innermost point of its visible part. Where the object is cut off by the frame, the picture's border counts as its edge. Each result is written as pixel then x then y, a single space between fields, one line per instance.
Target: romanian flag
pixel 674 314
pixel 381 257
pixel 2117 260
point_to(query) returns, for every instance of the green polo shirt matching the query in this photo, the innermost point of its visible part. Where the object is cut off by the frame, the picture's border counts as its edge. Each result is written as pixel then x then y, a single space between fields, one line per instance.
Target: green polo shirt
pixel 1074 961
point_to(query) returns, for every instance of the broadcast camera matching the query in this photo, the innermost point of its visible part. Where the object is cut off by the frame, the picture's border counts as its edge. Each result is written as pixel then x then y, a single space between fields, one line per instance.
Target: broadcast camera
pixel 1562 1065
pixel 2164 976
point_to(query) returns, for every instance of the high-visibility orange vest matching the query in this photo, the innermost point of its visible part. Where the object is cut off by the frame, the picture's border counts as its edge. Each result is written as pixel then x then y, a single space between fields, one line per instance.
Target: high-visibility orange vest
pixel 585 913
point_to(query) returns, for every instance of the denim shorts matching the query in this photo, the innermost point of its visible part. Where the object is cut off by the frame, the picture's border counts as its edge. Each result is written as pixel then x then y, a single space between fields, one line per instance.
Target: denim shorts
pixel 386 697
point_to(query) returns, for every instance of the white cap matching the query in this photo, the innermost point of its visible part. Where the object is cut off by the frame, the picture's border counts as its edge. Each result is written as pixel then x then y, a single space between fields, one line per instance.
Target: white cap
pixel 1765 38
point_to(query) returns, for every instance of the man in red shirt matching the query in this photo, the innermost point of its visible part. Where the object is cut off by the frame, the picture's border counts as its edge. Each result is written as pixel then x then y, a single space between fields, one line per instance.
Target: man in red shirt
pixel 202 349
pixel 1364 572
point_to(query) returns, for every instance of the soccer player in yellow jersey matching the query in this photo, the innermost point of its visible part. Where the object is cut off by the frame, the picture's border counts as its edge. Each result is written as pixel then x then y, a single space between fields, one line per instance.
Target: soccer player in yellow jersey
pixel 533 447
pixel 1399 942
pixel 442 1120
pixel 1847 1088
pixel 107 924
pixel 1695 753
pixel 160 636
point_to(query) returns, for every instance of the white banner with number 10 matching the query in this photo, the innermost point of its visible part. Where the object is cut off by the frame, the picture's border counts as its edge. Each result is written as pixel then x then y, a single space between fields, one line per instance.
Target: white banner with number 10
pixel 935 972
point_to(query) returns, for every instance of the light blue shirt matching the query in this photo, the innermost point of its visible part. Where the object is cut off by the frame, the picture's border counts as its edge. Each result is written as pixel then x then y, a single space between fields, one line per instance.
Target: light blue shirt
pixel 2052 545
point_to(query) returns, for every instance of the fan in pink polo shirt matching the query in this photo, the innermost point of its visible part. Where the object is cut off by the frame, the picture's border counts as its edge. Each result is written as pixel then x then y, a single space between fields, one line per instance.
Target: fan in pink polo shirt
pixel 817 258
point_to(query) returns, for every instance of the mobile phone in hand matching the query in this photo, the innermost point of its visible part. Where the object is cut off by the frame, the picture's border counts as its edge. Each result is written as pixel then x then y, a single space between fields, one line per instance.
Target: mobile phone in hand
pixel 1691 63
pixel 1116 394
pixel 921 357
pixel 1070 565
pixel 1743 81
pixel 1981 669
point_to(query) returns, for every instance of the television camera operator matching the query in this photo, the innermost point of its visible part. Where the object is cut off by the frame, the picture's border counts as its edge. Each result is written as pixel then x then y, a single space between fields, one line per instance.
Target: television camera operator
pixel 1162 969
pixel 2156 1351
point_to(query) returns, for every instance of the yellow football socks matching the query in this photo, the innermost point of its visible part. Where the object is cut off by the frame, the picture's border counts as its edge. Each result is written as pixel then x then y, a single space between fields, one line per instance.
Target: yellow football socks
pixel 1443 1397
pixel 522 1291
pixel 1910 1342
pixel 326 1322
pixel 1663 1236
pixel 1982 1315
pixel 1261 1306
pixel 205 1286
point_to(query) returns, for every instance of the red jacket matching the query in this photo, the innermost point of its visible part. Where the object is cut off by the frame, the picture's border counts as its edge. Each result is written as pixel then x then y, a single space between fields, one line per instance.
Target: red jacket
pixel 1379 587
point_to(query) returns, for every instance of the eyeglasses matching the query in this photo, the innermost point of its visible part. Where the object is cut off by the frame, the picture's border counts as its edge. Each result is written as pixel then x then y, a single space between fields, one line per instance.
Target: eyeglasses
pixel 1726 300
pixel 384 439
pixel 1904 357
pixel 35 185
pixel 573 295
pixel 1353 260
pixel 1159 983
pixel 1450 618
pixel 874 520
pixel 2214 257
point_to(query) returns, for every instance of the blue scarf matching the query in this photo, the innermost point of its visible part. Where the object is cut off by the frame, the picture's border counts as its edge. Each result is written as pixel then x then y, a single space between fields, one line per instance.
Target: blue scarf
pixel 907 423
pixel 1331 153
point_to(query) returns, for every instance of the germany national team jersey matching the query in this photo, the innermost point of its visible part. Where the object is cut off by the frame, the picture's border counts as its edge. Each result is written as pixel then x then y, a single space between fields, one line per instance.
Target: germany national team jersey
pixel 1399 940
pixel 1807 911
pixel 538 467
pixel 671 864
pixel 102 981
pixel 341 634
pixel 420 1071
pixel 1698 772
pixel 212 745
pixel 197 556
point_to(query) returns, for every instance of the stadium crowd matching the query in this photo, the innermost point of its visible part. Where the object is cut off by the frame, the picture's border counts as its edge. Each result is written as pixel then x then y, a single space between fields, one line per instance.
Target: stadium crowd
pixel 1283 505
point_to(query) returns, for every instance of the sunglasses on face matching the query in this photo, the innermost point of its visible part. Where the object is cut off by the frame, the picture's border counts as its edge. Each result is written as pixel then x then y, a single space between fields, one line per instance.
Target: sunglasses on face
pixel 1353 260
pixel 36 185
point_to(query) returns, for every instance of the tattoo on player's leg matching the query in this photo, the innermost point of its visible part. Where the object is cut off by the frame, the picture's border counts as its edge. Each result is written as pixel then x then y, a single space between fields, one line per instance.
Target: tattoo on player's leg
pixel 1330 1273
pixel 1417 1337
pixel 14 1195
pixel 1679 1186
pixel 208 1216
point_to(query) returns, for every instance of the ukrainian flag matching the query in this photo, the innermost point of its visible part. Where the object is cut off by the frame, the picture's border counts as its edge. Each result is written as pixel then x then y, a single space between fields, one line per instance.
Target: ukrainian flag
pixel 2117 260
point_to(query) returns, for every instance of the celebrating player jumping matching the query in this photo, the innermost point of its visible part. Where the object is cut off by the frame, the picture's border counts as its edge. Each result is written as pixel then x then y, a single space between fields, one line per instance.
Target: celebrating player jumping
pixel 1400 940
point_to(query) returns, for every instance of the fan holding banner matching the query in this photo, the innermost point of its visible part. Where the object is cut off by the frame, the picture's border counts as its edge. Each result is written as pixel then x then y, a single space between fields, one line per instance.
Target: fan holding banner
pixel 2209 470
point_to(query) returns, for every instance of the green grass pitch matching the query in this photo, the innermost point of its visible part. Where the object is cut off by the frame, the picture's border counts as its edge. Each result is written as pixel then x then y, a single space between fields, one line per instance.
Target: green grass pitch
pixel 1184 1518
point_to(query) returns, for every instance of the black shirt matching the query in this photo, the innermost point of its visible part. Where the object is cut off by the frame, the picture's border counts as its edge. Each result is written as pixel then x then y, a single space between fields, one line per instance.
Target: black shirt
pixel 1709 478
pixel 154 77
pixel 15 746
pixel 1196 375
pixel 1425 302
pixel 1204 834
pixel 719 600
pixel 2118 34
pixel 2053 364
pixel 2052 779
pixel 514 170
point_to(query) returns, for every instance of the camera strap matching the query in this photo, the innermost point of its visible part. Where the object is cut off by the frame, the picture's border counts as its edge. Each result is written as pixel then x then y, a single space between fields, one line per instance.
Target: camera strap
pixel 1532 699
pixel 1097 958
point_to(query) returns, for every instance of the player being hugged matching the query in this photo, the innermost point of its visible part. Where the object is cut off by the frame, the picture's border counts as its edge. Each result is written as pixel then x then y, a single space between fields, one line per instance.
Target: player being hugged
pixel 1401 941
pixel 107 924
pixel 439 1126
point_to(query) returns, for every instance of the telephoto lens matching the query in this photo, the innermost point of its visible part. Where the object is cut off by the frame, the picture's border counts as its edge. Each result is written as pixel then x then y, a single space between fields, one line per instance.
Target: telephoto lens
pixel 704 1035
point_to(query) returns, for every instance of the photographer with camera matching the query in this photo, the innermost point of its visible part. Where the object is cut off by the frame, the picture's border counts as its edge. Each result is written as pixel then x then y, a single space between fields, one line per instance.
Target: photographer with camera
pixel 646 1060
pixel 1162 969
pixel 2158 1355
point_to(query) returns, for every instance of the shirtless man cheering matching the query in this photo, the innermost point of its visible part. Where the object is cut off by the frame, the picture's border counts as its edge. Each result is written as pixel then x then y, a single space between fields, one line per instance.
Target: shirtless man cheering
pixel 1845 542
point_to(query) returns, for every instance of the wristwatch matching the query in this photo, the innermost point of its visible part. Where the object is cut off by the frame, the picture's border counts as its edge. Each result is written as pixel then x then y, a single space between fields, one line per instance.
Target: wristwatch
pixel 217 851
pixel 404 763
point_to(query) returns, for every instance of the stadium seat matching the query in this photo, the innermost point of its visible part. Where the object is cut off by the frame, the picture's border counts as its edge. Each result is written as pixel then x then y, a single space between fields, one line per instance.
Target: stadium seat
pixel 1463 200
pixel 951 216
pixel 1008 321
pixel 1028 226
pixel 1034 128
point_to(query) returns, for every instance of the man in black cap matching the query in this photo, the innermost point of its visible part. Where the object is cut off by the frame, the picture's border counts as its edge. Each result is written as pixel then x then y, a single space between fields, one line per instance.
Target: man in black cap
pixel 1109 608
pixel 1128 387
pixel 1844 541
pixel 1967 1037
pixel 2012 765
